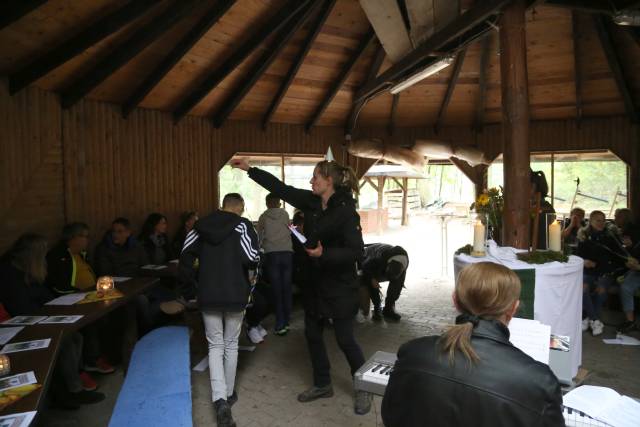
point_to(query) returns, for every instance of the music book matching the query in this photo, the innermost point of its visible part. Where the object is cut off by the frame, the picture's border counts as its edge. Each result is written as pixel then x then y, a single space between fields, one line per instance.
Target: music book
pixel 604 404
pixel 532 337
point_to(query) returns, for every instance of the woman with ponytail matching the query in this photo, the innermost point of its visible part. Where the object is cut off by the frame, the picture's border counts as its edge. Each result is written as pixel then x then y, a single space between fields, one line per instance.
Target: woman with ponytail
pixel 334 247
pixel 472 375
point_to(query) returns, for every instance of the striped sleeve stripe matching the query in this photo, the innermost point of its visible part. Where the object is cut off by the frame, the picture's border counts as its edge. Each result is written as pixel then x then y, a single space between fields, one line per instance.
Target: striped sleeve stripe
pixel 191 238
pixel 245 236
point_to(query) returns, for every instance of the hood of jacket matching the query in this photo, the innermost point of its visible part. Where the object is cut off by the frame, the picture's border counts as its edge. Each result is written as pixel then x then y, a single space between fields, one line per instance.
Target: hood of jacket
pixel 275 214
pixel 342 198
pixel 216 227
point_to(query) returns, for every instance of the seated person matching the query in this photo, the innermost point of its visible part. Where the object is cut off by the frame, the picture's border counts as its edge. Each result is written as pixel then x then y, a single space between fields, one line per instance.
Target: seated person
pixel 23 272
pixel 627 229
pixel 187 221
pixel 630 285
pixel 572 225
pixel 604 260
pixel 154 239
pixel 472 375
pixel 384 263
pixel 119 254
pixel 68 271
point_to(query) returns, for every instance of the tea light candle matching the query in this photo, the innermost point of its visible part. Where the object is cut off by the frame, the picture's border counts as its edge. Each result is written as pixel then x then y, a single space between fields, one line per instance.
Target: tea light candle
pixel 554 236
pixel 478 237
pixel 5 365
pixel 104 285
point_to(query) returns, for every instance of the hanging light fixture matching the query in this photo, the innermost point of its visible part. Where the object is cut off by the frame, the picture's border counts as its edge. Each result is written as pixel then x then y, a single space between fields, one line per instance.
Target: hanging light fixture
pixel 423 74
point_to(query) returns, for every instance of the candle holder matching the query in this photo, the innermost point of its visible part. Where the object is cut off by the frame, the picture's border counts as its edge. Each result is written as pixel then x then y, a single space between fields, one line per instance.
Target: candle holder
pixel 480 231
pixel 554 225
pixel 104 285
pixel 5 365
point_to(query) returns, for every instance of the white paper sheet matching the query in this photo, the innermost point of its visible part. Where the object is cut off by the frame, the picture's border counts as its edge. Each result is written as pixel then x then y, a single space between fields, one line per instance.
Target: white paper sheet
pixel 69 299
pixel 532 337
pixel 16 347
pixel 24 320
pixel 22 419
pixel 17 380
pixel 604 404
pixel 298 235
pixel 118 279
pixel 622 340
pixel 153 267
pixel 61 319
pixel 202 365
pixel 7 333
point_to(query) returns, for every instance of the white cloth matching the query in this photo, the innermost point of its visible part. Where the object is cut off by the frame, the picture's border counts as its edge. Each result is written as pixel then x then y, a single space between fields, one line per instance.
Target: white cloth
pixel 222 330
pixel 558 293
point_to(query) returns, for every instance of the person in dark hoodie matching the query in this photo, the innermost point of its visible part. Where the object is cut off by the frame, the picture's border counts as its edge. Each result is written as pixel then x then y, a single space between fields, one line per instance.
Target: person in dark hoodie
pixel 226 247
pixel 155 240
pixel 335 248
pixel 119 254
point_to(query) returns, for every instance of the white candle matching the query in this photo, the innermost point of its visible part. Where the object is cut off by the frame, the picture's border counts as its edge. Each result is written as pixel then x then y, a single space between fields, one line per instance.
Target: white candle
pixel 554 236
pixel 478 237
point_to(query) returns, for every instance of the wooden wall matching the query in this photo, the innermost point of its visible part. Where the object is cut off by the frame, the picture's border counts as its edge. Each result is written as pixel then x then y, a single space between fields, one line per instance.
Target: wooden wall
pixel 88 164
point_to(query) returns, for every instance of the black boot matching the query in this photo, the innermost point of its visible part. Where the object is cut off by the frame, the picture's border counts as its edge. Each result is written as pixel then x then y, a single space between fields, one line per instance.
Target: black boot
pixel 377 314
pixel 223 414
pixel 390 314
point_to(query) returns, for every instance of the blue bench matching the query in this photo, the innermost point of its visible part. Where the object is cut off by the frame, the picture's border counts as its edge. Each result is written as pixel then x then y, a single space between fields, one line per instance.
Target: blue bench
pixel 157 389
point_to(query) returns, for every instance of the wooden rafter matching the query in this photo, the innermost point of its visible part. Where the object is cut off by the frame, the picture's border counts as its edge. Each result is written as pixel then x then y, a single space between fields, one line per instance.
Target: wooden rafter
pixel 592 6
pixel 213 78
pixel 393 113
pixel 11 11
pixel 180 49
pixel 577 63
pixel 261 65
pixel 297 62
pixel 374 68
pixel 450 87
pixel 482 83
pixel 337 84
pixel 471 21
pixel 86 38
pixel 127 50
pixel 613 58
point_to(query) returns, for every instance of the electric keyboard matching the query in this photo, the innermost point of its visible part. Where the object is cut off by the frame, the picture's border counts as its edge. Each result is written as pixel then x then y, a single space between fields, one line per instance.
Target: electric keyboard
pixel 574 418
pixel 373 376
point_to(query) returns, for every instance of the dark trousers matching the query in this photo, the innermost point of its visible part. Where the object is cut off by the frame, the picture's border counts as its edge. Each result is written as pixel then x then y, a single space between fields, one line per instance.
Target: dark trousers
pixel 279 267
pixel 393 291
pixel 343 328
pixel 260 307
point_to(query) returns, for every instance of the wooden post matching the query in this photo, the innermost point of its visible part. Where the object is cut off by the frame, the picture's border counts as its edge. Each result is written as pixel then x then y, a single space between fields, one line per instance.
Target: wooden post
pixel 405 197
pixel 380 202
pixel 515 126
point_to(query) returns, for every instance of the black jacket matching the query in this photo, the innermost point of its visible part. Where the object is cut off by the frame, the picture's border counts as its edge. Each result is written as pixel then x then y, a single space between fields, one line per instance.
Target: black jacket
pixel 333 287
pixel 116 260
pixel 602 247
pixel 61 270
pixel 376 256
pixel 18 297
pixel 505 388
pixel 159 250
pixel 226 247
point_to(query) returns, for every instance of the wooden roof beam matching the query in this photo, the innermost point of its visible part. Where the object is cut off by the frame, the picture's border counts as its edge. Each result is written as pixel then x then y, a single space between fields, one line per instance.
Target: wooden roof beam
pixel 297 62
pixel 469 21
pixel 342 77
pixel 261 65
pixel 393 113
pixel 387 20
pixel 180 49
pixel 482 83
pixel 11 11
pixel 86 38
pixel 214 77
pixel 374 68
pixel 127 50
pixel 593 6
pixel 577 63
pixel 450 87
pixel 613 58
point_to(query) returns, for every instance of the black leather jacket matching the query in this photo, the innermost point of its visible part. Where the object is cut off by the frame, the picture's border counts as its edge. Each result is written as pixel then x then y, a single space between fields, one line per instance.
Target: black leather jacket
pixel 504 388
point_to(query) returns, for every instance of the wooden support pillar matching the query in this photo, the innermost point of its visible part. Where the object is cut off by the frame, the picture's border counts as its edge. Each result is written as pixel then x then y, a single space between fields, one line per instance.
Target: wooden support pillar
pixel 405 197
pixel 633 200
pixel 380 202
pixel 515 126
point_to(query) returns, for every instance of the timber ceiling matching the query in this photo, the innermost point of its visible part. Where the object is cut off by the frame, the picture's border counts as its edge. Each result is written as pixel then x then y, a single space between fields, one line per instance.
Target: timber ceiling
pixel 220 59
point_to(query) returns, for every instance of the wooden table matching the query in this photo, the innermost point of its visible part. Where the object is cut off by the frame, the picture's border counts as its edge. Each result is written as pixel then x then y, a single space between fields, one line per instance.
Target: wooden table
pixel 43 361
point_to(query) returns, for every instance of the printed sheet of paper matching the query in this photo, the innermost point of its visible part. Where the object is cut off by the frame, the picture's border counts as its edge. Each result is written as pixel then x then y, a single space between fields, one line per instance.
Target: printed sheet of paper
pixel 16 347
pixel 61 319
pixel 22 419
pixel 604 404
pixel 298 235
pixel 69 299
pixel 153 267
pixel 6 334
pixel 24 320
pixel 622 340
pixel 532 337
pixel 17 380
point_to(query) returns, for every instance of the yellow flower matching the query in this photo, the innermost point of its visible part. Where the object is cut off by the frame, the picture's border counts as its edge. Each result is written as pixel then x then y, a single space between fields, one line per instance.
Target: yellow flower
pixel 483 199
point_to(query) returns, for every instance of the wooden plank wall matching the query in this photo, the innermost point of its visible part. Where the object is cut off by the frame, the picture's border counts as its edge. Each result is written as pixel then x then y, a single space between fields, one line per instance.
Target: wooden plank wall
pixel 88 164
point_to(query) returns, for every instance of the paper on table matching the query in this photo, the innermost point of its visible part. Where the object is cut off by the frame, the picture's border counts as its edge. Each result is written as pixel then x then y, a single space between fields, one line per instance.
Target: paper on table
pixel 604 404
pixel 298 235
pixel 17 380
pixel 532 337
pixel 68 299
pixel 118 279
pixel 24 320
pixel 153 267
pixel 25 346
pixel 622 340
pixel 22 419
pixel 7 333
pixel 61 319
pixel 202 365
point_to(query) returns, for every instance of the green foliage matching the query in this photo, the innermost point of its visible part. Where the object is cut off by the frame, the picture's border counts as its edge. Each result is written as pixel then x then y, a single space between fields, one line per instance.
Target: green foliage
pixel 542 257
pixel 466 249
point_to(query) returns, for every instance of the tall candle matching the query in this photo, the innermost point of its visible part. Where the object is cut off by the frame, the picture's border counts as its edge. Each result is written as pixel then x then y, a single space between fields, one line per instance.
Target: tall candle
pixel 554 236
pixel 478 237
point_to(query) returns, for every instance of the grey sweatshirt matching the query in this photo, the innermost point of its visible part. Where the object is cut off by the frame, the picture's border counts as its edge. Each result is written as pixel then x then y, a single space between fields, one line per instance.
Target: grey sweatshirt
pixel 273 231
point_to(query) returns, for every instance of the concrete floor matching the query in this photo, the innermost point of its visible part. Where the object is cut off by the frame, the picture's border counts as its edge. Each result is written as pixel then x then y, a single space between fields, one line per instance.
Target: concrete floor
pixel 270 377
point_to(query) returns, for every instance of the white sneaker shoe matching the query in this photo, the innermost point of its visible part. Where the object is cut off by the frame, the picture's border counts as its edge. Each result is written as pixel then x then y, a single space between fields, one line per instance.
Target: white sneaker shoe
pixel 585 324
pixel 596 327
pixel 263 331
pixel 255 336
pixel 360 318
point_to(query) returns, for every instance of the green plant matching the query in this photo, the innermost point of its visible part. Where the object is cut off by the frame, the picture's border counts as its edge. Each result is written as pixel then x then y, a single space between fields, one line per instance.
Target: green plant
pixel 542 257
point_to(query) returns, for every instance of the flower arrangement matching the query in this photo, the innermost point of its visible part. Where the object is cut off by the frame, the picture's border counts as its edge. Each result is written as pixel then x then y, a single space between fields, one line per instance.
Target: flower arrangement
pixel 490 203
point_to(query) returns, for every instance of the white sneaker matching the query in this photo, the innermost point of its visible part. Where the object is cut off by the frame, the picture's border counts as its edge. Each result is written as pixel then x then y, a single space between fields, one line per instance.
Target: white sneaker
pixel 596 327
pixel 360 318
pixel 585 324
pixel 263 331
pixel 255 336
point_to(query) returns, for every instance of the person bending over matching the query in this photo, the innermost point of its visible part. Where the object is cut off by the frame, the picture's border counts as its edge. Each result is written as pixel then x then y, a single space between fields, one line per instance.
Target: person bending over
pixel 384 263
